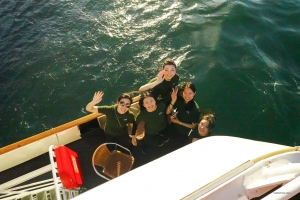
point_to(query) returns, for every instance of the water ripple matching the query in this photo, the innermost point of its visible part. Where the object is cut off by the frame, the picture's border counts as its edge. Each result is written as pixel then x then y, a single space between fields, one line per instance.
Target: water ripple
pixel 242 56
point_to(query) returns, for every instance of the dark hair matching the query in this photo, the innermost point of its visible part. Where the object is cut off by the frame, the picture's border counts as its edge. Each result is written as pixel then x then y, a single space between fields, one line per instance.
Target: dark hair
pixel 125 96
pixel 169 61
pixel 144 95
pixel 187 85
pixel 190 105
pixel 209 116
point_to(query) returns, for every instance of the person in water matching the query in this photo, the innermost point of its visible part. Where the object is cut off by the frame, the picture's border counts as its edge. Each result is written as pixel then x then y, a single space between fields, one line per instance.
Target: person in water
pixel 206 124
pixel 119 120
pixel 162 85
pixel 152 117
pixel 184 113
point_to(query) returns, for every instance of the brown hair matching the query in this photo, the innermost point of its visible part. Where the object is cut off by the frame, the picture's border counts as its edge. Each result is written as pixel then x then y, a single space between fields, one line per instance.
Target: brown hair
pixel 169 61
pixel 209 116
pixel 144 95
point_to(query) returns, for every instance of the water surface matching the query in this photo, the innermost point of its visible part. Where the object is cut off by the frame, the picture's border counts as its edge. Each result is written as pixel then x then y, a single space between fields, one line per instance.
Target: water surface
pixel 243 57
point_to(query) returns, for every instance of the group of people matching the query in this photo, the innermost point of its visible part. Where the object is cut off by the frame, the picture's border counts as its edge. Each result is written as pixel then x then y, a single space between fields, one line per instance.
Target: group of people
pixel 168 112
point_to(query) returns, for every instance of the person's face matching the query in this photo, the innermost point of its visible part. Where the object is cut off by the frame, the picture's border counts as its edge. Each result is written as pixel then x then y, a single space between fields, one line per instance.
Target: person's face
pixel 203 127
pixel 169 72
pixel 188 94
pixel 149 103
pixel 123 106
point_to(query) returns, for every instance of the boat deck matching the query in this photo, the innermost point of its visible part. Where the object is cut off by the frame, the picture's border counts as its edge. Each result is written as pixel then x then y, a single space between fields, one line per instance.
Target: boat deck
pixel 93 136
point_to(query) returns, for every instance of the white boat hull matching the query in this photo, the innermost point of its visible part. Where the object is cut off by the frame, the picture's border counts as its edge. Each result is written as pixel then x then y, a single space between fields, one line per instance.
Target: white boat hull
pixel 212 168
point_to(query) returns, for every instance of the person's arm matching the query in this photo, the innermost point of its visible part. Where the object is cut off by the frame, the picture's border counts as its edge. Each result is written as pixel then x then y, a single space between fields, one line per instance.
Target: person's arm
pixel 174 98
pixel 160 78
pixel 96 99
pixel 176 121
pixel 139 130
pixel 129 128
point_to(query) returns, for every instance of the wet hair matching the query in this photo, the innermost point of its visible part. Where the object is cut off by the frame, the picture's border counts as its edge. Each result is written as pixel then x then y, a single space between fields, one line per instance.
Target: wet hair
pixel 125 96
pixel 169 61
pixel 144 95
pixel 209 116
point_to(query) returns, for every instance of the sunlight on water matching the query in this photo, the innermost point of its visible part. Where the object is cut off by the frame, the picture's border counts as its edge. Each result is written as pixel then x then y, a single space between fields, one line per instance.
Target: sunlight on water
pixel 242 56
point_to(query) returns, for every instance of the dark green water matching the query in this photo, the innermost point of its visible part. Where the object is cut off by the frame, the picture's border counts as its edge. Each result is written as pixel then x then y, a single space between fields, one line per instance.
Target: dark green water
pixel 243 57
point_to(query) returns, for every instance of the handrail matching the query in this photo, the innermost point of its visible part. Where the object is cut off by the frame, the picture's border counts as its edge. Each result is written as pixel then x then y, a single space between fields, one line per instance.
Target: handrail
pixel 49 132
pixel 221 179
pixel 53 131
pixel 285 150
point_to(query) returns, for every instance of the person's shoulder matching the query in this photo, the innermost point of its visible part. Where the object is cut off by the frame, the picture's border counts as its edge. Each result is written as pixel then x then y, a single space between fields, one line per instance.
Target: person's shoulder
pixel 130 115
pixel 179 100
pixel 141 112
pixel 141 115
pixel 195 110
pixel 105 107
pixel 175 77
pixel 196 105
pixel 161 104
pixel 195 134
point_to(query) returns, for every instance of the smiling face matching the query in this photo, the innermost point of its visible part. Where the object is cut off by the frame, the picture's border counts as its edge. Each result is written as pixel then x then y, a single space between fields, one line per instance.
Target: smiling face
pixel 169 72
pixel 123 105
pixel 150 104
pixel 203 129
pixel 188 94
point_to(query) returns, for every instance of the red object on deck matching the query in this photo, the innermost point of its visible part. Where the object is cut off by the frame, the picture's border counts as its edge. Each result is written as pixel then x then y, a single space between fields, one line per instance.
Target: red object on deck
pixel 68 167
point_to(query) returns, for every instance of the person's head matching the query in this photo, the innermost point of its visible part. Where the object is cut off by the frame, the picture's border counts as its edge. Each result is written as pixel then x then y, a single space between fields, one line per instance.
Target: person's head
pixel 123 103
pixel 188 91
pixel 147 101
pixel 207 122
pixel 169 68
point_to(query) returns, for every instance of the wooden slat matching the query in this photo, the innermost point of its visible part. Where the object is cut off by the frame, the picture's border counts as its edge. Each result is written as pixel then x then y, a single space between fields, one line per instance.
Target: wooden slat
pixel 53 131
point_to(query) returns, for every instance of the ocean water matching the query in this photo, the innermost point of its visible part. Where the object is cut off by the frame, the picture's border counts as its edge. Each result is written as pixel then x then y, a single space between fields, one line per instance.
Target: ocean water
pixel 243 56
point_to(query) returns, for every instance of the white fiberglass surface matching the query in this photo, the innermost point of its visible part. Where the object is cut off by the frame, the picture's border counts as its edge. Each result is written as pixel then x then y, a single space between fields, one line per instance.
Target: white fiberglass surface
pixel 181 172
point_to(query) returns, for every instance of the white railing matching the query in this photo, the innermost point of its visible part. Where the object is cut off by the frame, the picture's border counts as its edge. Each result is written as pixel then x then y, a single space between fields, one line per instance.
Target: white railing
pixel 38 190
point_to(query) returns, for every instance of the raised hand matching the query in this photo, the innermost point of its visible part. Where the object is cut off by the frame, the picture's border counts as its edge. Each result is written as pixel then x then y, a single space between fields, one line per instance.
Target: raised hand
pixel 160 76
pixel 98 97
pixel 174 94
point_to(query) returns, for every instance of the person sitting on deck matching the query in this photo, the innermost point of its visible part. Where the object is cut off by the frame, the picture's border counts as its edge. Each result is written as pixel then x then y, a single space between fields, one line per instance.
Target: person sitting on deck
pixel 162 85
pixel 184 113
pixel 206 124
pixel 152 117
pixel 119 120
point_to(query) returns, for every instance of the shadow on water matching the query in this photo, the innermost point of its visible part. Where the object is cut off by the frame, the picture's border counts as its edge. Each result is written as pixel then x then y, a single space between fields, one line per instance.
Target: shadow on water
pixel 254 83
